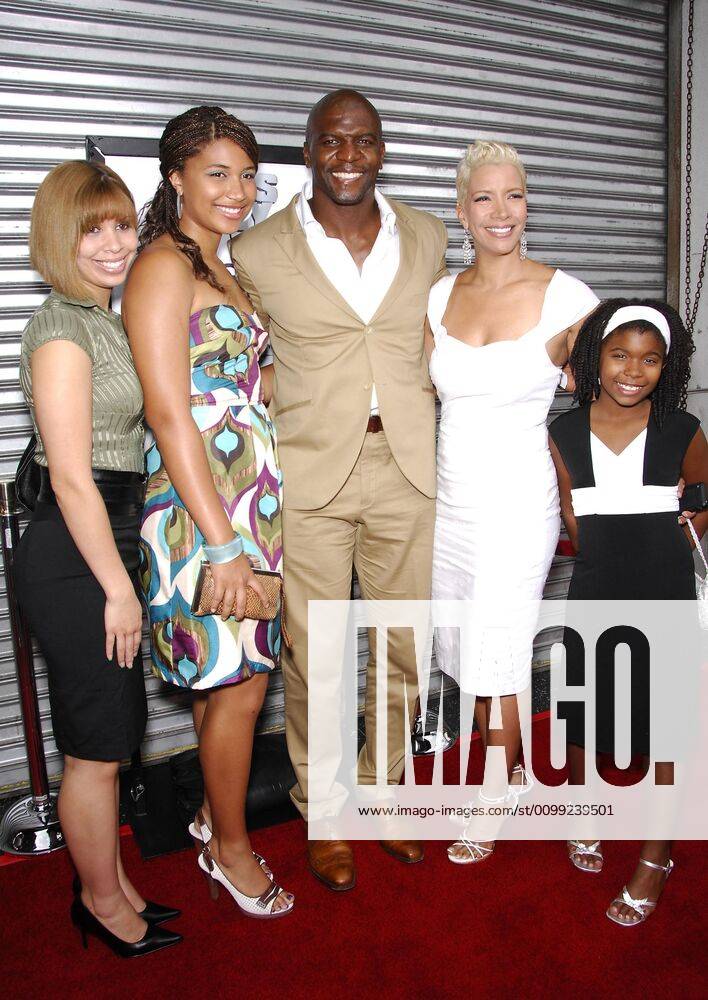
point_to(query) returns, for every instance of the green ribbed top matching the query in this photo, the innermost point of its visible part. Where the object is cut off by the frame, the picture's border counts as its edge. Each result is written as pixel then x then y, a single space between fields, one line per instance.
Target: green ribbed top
pixel 118 430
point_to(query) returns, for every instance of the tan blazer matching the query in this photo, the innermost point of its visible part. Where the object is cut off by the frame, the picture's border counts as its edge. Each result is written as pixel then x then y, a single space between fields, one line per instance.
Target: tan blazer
pixel 326 358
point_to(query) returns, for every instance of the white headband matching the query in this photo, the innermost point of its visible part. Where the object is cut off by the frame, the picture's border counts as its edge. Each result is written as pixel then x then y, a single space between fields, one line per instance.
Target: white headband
pixel 628 313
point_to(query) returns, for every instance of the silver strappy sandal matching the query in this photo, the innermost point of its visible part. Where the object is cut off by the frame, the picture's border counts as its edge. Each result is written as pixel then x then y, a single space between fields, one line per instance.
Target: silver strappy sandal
pixel 642 907
pixel 577 850
pixel 476 852
pixel 526 783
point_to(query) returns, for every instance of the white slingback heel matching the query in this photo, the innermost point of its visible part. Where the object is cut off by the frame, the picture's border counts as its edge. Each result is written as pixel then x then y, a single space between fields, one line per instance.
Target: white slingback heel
pixel 261 907
pixel 201 834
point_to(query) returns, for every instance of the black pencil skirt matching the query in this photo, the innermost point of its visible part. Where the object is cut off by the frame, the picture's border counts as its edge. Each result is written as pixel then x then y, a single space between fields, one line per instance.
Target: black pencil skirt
pixel 99 710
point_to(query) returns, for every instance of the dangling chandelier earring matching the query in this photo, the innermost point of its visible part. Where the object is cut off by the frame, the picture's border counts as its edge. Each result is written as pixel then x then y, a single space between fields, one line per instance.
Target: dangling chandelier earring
pixel 523 246
pixel 179 205
pixel 467 249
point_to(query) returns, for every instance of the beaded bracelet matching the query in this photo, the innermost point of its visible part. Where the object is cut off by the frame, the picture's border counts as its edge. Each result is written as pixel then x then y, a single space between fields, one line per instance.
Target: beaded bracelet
pixel 226 552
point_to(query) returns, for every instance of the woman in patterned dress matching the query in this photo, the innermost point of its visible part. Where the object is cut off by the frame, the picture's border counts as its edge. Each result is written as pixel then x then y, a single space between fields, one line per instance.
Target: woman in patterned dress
pixel 214 486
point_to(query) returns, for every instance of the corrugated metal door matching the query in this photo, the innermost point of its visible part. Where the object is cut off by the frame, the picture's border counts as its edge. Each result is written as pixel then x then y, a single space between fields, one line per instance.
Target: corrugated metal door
pixel 578 86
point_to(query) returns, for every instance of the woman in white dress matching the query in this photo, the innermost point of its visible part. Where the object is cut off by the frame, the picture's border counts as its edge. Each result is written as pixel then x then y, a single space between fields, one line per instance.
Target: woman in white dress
pixel 500 334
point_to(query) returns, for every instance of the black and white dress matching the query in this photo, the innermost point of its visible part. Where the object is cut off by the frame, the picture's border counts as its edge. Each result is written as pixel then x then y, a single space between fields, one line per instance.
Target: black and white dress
pixel 630 544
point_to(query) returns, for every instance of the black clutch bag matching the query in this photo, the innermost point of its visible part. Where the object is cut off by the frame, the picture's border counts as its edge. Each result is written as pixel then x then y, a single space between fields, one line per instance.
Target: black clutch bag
pixel 27 476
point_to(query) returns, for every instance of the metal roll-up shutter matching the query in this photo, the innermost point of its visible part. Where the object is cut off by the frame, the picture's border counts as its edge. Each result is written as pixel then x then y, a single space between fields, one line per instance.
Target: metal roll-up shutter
pixel 579 87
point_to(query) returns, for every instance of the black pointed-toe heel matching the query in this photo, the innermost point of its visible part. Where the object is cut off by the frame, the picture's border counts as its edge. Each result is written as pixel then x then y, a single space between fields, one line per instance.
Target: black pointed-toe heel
pixel 154 913
pixel 154 939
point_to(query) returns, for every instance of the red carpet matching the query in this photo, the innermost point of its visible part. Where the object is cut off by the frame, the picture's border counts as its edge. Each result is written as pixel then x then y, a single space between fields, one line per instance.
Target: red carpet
pixel 523 924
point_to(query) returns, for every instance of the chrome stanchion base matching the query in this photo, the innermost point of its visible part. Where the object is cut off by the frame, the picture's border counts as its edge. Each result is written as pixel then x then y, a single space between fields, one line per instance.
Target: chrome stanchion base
pixel 31 826
pixel 425 739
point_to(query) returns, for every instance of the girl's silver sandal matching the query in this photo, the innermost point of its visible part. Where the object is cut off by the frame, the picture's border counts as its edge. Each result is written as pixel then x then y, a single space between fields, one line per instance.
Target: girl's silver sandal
pixel 642 907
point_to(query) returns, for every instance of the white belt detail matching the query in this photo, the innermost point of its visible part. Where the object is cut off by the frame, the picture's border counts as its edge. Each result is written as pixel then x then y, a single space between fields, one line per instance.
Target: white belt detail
pixel 621 499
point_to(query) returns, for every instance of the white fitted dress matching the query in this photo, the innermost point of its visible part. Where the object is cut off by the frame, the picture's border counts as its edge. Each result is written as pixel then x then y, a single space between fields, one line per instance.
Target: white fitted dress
pixel 498 514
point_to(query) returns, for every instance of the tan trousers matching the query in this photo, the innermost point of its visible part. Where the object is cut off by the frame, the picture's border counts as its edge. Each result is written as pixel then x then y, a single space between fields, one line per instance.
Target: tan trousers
pixel 381 525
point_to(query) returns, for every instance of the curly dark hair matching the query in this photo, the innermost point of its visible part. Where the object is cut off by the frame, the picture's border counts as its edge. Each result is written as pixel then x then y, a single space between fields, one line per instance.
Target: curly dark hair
pixel 672 389
pixel 185 136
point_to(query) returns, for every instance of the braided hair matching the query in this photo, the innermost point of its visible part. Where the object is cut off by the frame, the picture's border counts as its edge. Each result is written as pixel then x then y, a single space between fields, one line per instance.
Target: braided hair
pixel 185 136
pixel 672 389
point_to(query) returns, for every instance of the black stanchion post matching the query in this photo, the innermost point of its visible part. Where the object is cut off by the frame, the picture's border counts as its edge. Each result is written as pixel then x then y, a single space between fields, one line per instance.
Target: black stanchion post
pixel 29 826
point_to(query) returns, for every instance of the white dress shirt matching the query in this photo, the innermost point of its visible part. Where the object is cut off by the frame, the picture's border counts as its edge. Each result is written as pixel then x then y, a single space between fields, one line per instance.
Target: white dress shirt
pixel 363 290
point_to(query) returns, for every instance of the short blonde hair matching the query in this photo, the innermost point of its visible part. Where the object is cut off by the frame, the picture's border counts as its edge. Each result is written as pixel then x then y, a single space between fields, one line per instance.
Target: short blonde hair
pixel 72 198
pixel 480 154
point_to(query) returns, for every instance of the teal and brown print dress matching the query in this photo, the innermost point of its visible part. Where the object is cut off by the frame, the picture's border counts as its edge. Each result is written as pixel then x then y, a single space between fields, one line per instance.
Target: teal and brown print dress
pixel 239 439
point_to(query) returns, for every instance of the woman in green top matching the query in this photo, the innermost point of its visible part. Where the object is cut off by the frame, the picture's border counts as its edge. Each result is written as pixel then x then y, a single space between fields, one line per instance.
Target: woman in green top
pixel 77 561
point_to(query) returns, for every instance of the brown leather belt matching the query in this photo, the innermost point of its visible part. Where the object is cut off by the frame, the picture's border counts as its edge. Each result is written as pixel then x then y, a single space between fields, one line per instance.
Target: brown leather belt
pixel 374 425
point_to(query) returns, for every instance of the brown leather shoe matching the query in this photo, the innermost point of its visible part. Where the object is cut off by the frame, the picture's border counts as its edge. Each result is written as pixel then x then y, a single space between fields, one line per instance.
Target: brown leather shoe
pixel 408 851
pixel 332 862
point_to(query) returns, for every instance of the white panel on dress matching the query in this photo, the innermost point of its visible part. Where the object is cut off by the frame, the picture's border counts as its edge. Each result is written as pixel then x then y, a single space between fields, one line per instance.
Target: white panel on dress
pixel 619 483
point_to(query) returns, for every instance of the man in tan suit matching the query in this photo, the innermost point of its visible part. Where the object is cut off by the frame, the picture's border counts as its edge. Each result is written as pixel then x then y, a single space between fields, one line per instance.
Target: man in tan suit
pixel 341 278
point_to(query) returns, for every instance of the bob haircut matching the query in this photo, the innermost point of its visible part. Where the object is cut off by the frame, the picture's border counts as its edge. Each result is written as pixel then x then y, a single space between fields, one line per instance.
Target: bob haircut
pixel 72 198
pixel 480 154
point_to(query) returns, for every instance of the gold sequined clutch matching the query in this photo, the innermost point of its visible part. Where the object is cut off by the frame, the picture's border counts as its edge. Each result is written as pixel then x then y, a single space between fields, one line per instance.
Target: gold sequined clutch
pixel 271 582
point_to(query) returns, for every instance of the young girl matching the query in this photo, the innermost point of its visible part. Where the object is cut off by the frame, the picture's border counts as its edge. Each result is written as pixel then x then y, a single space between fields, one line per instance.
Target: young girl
pixel 619 458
